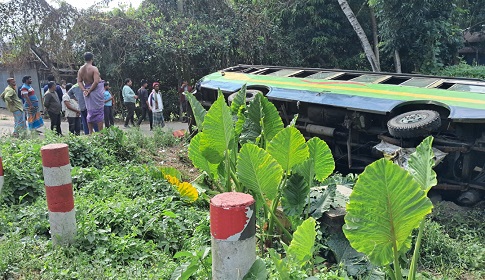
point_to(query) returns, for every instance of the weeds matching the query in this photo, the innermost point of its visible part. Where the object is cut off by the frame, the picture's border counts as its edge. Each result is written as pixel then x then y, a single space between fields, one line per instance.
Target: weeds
pixel 131 222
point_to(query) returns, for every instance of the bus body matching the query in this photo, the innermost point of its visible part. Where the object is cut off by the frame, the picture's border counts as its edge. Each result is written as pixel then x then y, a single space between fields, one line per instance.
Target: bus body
pixel 355 112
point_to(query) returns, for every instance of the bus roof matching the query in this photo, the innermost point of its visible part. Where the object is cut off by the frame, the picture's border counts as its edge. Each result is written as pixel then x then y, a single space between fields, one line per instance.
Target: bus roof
pixel 375 92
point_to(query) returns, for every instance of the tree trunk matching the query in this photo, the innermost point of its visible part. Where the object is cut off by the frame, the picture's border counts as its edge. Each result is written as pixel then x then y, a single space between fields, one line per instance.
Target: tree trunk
pixel 397 61
pixel 180 6
pixel 374 35
pixel 44 59
pixel 361 34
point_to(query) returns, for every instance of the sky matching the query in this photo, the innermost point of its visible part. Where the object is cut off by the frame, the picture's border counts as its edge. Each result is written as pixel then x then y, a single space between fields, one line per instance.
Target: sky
pixel 87 3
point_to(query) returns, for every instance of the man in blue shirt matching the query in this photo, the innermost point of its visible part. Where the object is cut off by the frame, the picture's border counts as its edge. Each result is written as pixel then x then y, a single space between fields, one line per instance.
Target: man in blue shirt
pixel 109 119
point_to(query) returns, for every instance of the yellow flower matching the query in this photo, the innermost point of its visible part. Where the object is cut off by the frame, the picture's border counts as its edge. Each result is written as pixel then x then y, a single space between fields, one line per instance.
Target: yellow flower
pixel 172 180
pixel 188 191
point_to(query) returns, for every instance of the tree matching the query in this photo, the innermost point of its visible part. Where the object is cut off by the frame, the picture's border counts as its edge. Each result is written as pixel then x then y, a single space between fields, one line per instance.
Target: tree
pixel 369 53
pixel 423 37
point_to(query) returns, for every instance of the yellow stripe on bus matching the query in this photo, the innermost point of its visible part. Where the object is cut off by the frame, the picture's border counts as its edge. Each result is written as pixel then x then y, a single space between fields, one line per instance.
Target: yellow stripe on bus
pixel 246 78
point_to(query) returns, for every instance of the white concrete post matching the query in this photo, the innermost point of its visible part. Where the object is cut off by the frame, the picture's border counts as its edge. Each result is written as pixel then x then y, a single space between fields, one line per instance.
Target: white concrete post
pixel 233 228
pixel 58 187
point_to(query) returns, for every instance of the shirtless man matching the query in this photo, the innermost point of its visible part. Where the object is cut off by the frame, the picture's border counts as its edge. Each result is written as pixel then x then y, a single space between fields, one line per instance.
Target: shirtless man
pixel 90 83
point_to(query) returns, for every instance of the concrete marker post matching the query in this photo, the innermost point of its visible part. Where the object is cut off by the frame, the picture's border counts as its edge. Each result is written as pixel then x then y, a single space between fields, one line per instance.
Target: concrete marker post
pixel 1 173
pixel 58 187
pixel 233 229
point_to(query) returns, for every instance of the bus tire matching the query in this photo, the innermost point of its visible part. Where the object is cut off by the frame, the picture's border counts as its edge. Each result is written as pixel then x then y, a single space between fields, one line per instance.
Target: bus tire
pixel 250 95
pixel 414 124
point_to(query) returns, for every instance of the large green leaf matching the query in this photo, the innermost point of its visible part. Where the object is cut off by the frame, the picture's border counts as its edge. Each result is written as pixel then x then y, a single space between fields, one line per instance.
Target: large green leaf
pixel 272 123
pixel 257 271
pixel 295 195
pixel 238 101
pixel 197 109
pixel 288 147
pixel 258 171
pixel 251 128
pixel 240 122
pixel 218 129
pixel 386 204
pixel 320 163
pixel 321 200
pixel 172 171
pixel 301 246
pixel 281 265
pixel 198 160
pixel 355 263
pixel 421 164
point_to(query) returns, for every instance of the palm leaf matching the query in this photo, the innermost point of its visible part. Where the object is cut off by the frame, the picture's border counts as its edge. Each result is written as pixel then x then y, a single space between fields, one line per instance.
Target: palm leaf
pixel 384 208
pixel 258 171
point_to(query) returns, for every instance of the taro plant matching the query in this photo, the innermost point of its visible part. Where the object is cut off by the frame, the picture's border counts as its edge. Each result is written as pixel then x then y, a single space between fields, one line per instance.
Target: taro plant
pixel 386 205
pixel 297 261
pixel 245 147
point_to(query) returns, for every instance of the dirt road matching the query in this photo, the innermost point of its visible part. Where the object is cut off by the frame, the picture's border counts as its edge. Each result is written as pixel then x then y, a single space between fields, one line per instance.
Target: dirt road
pixel 6 125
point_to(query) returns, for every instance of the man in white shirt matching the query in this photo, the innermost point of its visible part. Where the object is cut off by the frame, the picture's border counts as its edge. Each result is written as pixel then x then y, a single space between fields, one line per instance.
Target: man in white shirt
pixel 156 105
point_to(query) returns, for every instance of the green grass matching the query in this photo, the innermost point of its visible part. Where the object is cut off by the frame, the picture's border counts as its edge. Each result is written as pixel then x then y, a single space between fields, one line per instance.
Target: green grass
pixel 131 222
pixel 454 242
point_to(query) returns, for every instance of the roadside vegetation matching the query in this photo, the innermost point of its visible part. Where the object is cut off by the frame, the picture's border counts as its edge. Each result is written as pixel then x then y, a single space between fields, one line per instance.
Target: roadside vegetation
pixel 135 220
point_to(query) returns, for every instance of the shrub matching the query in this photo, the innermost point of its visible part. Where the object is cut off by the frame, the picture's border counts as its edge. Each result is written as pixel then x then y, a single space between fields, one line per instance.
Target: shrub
pixel 114 141
pixel 86 152
pixel 22 172
pixel 462 70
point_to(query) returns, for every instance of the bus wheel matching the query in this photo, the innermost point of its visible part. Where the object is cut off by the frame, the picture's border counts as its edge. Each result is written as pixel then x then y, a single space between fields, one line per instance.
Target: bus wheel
pixel 414 124
pixel 250 95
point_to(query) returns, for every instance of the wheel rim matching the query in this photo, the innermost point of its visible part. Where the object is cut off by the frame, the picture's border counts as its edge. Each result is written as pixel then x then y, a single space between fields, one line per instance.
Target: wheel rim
pixel 413 118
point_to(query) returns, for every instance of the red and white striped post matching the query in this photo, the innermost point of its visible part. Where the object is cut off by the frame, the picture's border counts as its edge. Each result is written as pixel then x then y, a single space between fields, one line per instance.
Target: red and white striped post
pixel 1 173
pixel 58 187
pixel 233 228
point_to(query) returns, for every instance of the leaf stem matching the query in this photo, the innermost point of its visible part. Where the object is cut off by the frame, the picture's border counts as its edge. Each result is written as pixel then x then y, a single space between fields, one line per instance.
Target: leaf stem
pixel 414 262
pixel 278 222
pixel 274 207
pixel 228 172
pixel 397 266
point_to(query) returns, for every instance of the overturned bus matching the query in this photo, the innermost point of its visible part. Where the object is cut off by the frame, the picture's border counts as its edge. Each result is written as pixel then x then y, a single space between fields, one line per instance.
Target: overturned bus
pixel 363 115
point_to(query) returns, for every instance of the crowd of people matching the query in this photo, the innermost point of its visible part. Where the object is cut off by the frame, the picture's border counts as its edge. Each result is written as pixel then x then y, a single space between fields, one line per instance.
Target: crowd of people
pixel 87 104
